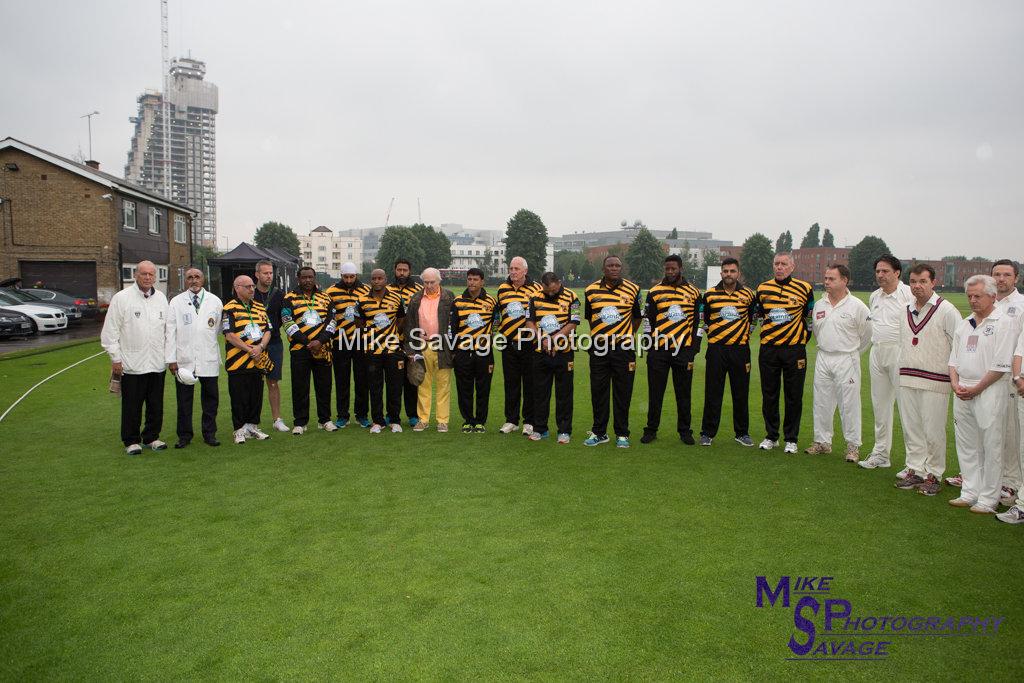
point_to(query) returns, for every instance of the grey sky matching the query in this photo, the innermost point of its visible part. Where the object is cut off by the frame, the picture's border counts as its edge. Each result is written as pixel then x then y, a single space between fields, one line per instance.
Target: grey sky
pixel 901 119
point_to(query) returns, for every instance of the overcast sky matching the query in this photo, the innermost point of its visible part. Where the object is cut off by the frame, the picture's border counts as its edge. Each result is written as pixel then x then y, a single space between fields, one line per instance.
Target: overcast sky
pixel 899 119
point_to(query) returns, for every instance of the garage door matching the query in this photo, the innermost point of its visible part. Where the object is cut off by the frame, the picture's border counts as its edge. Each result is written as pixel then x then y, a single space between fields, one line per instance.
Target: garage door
pixel 75 277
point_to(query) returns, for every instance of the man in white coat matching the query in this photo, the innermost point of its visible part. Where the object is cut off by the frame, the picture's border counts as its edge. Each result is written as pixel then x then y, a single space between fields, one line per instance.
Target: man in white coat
pixel 842 326
pixel 193 355
pixel 133 337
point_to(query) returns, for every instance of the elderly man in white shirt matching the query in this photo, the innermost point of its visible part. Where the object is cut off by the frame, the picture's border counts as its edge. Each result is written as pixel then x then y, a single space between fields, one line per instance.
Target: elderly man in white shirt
pixel 193 355
pixel 133 337
pixel 842 327
pixel 888 305
pixel 978 363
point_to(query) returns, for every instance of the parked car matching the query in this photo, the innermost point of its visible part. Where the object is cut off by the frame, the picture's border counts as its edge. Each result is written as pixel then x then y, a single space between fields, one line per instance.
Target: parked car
pixel 13 323
pixel 48 295
pixel 44 317
pixel 73 313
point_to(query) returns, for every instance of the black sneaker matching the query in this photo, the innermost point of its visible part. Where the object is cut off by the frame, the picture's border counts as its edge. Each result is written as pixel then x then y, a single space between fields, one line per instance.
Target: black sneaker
pixel 912 481
pixel 467 428
pixel 687 438
pixel 930 487
pixel 745 440
pixel 479 429
pixel 648 437
pixel 705 440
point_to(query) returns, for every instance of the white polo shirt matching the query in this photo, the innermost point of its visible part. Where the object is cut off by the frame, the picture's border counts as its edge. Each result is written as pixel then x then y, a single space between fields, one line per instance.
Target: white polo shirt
pixel 843 328
pixel 888 311
pixel 1012 307
pixel 981 347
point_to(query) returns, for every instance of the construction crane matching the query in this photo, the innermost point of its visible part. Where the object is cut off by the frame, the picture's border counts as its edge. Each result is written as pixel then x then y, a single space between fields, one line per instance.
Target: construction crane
pixel 166 105
pixel 387 216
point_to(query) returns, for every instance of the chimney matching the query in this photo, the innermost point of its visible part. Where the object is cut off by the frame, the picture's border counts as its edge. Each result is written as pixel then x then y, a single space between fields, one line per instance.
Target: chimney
pixel 93 164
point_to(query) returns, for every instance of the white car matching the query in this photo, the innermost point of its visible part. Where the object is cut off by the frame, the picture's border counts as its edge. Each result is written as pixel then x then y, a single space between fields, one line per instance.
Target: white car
pixel 44 318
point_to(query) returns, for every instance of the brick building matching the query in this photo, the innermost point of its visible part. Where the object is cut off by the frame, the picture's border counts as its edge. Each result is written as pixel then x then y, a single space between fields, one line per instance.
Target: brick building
pixel 74 227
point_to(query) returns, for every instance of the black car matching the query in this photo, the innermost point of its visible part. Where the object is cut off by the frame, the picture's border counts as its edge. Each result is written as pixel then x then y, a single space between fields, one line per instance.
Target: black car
pixel 73 313
pixel 13 324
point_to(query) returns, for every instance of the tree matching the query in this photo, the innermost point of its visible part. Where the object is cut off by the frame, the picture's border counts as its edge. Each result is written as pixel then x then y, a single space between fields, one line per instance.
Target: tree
pixel 526 236
pixel 588 271
pixel 862 260
pixel 784 243
pixel 274 235
pixel 569 264
pixel 644 258
pixel 400 242
pixel 756 259
pixel 691 269
pixel 367 268
pixel 437 248
pixel 486 262
pixel 201 256
pixel 828 239
pixel 674 235
pixel 812 238
pixel 711 258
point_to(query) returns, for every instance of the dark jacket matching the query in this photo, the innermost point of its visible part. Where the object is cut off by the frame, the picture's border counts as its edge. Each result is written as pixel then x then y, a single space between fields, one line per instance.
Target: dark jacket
pixel 412 321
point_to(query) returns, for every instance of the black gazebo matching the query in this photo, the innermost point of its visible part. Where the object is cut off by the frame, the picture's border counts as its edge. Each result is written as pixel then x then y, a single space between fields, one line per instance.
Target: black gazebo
pixel 242 260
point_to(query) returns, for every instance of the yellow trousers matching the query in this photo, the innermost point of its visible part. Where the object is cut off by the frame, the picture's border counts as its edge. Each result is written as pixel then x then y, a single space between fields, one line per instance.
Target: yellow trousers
pixel 440 377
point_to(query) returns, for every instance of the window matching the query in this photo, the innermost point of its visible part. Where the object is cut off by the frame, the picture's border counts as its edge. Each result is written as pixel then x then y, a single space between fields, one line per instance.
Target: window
pixel 154 221
pixel 128 213
pixel 179 230
pixel 161 273
pixel 127 273
pixel 336 255
pixel 322 248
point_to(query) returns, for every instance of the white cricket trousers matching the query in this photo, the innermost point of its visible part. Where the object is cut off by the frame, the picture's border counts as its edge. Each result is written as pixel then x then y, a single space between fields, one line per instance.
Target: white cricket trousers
pixel 923 416
pixel 1012 475
pixel 884 368
pixel 837 382
pixel 979 444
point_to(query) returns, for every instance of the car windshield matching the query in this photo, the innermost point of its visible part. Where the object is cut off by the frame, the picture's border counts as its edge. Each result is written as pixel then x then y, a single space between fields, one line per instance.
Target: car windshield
pixel 6 298
pixel 19 296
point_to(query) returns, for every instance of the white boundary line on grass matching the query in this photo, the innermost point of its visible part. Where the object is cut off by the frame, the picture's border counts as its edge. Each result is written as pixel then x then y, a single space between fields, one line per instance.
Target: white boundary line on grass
pixel 47 380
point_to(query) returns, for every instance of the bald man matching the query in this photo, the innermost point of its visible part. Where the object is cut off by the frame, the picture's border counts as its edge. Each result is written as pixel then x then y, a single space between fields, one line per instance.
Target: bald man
pixel 247 330
pixel 133 337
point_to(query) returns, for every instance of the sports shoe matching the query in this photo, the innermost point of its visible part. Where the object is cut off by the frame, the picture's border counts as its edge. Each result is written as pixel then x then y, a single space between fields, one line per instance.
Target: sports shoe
pixel 595 440
pixel 537 436
pixel 1012 516
pixel 298 431
pixel 420 427
pixel 852 454
pixel 791 447
pixel 1008 496
pixel 622 442
pixel 376 428
pixel 817 448
pixel 329 426
pixel 910 482
pixel 467 428
pixel 341 423
pixel 280 426
pixel 240 435
pixel 507 428
pixel 768 444
pixel 687 438
pixel 961 502
pixel 705 440
pixel 648 437
pixel 957 481
pixel 980 509
pixel 157 445
pixel 363 422
pixel 902 474
pixel 563 438
pixel 479 429
pixel 527 429
pixel 256 433
pixel 396 428
pixel 874 461
pixel 413 421
pixel 136 449
pixel 442 427
pixel 930 487
pixel 744 440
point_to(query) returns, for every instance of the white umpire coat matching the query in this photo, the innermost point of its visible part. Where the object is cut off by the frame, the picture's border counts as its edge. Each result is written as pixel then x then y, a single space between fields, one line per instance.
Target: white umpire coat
pixel 193 337
pixel 133 330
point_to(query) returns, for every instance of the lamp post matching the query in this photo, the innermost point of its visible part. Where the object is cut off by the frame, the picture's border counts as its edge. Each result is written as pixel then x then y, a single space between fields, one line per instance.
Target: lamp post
pixel 89 117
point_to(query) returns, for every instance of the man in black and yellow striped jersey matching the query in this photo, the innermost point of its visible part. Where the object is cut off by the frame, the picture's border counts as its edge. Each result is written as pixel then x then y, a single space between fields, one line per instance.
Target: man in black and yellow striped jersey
pixel 784 304
pixel 246 331
pixel 518 356
pixel 612 307
pixel 349 360
pixel 380 310
pixel 553 317
pixel 308 320
pixel 729 310
pixel 471 322
pixel 407 287
pixel 672 309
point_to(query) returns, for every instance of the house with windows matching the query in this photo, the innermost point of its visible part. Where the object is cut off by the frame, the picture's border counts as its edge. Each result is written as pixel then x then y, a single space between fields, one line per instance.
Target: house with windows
pixel 326 252
pixel 71 226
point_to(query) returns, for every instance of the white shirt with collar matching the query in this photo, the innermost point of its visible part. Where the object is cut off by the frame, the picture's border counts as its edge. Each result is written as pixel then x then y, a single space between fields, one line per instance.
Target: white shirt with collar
pixel 888 312
pixel 1012 306
pixel 982 346
pixel 193 335
pixel 844 327
pixel 133 330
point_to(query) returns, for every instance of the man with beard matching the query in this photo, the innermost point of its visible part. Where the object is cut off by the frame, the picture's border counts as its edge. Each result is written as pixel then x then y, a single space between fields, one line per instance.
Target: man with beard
pixel 472 316
pixel 271 298
pixel 381 311
pixel 349 359
pixel 306 315
pixel 407 287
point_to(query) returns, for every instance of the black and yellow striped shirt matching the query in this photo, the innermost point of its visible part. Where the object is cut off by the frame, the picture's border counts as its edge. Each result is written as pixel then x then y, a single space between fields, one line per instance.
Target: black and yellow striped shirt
pixel 612 310
pixel 407 291
pixel 672 310
pixel 552 313
pixel 306 318
pixel 345 301
pixel 514 305
pixel 472 319
pixel 380 317
pixel 784 307
pixel 249 322
pixel 728 316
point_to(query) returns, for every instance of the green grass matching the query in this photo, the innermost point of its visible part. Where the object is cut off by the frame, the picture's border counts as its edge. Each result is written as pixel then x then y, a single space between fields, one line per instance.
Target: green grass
pixel 459 556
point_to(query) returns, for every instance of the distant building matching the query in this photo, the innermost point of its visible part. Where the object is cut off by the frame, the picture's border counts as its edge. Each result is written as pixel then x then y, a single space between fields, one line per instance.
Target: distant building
pixel 192 159
pixel 583 240
pixel 326 252
pixel 812 262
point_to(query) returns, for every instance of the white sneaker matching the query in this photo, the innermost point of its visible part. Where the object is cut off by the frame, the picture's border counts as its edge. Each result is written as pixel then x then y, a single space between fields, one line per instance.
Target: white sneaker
pixel 329 426
pixel 904 473
pixel 157 445
pixel 507 428
pixel 563 438
pixel 1007 496
pixel 1012 516
pixel 255 433
pixel 134 449
pixel 875 460
pixel 376 429
pixel 527 429
pixel 280 426
pixel 768 444
pixel 240 435
pixel 298 431
pixel 396 428
pixel 791 447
